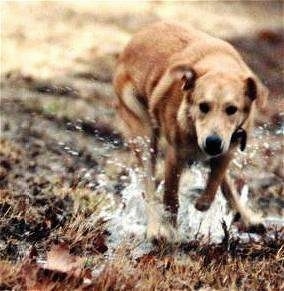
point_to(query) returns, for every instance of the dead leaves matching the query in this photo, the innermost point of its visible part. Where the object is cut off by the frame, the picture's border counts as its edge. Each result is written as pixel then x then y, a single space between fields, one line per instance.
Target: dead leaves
pixel 59 259
pixel 60 271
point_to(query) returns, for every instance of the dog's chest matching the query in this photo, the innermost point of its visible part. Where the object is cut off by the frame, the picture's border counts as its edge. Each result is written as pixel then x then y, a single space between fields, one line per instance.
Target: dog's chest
pixel 192 153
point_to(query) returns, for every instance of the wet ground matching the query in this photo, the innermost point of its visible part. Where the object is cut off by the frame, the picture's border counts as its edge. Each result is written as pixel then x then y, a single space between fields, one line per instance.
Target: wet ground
pixel 65 171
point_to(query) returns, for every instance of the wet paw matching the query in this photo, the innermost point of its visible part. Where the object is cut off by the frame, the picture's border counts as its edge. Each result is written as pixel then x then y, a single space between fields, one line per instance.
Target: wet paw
pixel 253 227
pixel 258 228
pixel 202 205
pixel 162 232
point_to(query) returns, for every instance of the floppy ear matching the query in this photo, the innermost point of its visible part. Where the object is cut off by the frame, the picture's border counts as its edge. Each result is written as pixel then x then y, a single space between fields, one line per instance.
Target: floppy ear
pixel 186 74
pixel 255 90
pixel 177 72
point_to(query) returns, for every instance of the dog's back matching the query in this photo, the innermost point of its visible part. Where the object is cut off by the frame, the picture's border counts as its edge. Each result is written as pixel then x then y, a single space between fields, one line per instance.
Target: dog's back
pixel 147 56
pixel 155 48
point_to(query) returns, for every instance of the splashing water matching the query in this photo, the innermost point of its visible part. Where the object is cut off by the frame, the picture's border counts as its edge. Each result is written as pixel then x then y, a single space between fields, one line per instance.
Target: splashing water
pixel 127 218
pixel 127 224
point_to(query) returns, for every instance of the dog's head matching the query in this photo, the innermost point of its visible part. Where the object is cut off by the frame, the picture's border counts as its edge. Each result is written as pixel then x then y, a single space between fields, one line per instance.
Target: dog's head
pixel 218 104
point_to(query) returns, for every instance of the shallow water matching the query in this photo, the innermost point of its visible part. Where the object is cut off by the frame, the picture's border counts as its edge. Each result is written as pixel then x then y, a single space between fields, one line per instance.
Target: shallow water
pixel 127 219
pixel 127 224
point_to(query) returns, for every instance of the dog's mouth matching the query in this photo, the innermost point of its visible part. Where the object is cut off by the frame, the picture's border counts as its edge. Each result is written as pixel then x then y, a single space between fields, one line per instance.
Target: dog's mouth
pixel 212 152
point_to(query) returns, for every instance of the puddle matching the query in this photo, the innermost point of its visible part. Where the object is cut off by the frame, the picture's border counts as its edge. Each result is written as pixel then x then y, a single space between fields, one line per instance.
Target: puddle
pixel 127 219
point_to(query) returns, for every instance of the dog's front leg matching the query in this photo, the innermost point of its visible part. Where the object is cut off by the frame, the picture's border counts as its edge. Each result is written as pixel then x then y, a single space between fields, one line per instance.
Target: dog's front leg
pixel 162 218
pixel 252 221
pixel 218 167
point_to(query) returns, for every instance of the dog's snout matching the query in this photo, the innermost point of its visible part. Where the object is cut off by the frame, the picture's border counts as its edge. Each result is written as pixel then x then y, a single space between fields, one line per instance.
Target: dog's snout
pixel 213 145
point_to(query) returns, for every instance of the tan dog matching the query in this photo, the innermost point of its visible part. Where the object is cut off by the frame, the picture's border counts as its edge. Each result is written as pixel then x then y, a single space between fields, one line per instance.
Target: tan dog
pixel 196 91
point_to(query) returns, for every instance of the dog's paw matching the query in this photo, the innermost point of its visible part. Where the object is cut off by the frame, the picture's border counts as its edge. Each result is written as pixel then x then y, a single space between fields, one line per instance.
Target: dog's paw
pixel 162 232
pixel 253 225
pixel 202 205
pixel 258 228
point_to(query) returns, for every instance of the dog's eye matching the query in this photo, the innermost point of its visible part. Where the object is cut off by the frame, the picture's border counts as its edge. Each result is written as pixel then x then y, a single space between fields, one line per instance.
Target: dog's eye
pixel 230 110
pixel 204 107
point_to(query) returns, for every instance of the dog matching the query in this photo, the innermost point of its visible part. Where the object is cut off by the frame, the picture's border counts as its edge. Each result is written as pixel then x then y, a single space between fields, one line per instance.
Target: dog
pixel 196 92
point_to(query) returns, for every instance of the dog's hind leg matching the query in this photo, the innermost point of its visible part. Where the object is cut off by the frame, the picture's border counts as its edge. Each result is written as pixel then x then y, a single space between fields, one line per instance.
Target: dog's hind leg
pixel 143 139
pixel 134 117
pixel 251 220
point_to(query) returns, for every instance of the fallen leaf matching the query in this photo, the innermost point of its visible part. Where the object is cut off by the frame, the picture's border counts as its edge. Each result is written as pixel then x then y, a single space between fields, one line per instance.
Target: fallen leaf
pixel 59 259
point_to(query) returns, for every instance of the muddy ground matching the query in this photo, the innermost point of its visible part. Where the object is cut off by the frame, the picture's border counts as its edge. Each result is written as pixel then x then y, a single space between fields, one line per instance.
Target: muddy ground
pixel 62 155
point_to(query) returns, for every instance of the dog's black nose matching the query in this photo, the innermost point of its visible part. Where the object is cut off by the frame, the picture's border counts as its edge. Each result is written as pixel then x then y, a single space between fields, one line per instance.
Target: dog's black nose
pixel 213 145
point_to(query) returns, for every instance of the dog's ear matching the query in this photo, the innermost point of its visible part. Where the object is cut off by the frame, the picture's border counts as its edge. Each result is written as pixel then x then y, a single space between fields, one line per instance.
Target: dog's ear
pixel 255 90
pixel 186 74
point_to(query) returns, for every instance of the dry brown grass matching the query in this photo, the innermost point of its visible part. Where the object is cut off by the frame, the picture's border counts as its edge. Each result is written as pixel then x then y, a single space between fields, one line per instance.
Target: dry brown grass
pixel 57 136
pixel 237 266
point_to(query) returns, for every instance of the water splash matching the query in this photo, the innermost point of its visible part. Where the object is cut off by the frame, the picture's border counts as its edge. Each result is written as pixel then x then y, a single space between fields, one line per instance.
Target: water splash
pixel 127 224
pixel 127 219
